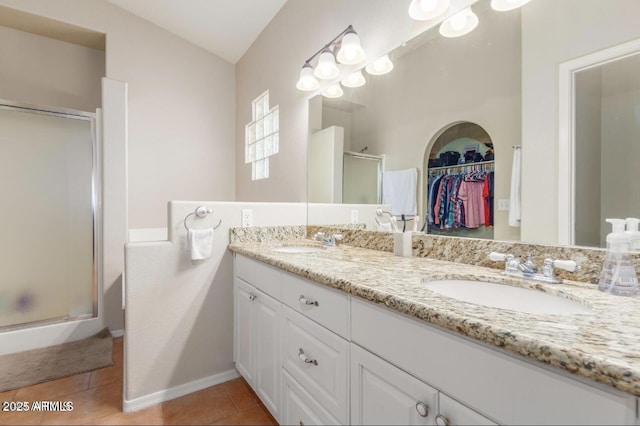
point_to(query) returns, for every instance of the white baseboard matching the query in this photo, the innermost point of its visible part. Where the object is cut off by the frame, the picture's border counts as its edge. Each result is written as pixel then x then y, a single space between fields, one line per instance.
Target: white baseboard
pixel 136 404
pixel 117 333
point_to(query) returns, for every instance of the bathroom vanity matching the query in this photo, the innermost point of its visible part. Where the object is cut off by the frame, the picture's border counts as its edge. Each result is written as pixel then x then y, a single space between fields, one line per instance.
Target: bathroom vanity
pixel 352 336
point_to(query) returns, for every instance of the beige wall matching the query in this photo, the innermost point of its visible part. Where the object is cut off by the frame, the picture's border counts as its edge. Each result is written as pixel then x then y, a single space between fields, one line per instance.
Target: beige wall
pixel 554 32
pixel 181 107
pixel 588 118
pixel 43 71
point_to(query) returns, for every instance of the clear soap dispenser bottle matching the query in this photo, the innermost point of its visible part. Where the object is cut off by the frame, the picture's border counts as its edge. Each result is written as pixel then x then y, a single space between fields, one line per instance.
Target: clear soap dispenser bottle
pixel 633 233
pixel 618 274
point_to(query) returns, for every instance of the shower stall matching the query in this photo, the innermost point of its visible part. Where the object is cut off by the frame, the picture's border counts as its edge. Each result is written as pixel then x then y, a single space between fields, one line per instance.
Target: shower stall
pixel 50 237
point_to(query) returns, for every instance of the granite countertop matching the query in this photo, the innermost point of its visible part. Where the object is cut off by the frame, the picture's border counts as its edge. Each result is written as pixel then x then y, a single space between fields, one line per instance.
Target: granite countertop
pixel 603 345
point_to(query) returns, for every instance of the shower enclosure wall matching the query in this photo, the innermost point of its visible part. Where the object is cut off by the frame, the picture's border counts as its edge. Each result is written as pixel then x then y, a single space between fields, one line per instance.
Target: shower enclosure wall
pixel 50 244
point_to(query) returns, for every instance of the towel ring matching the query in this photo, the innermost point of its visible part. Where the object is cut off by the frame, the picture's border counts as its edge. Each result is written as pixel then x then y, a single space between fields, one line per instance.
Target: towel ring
pixel 201 211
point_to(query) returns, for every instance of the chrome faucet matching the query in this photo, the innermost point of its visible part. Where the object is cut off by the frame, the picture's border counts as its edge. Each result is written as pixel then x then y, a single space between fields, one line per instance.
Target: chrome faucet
pixel 527 270
pixel 332 240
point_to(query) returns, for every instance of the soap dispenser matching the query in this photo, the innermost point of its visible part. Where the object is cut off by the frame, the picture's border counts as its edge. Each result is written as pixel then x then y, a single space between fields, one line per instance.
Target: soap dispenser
pixel 633 233
pixel 618 274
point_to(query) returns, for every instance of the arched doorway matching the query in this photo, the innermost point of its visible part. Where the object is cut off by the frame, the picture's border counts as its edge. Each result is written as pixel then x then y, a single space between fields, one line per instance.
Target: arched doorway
pixel 459 180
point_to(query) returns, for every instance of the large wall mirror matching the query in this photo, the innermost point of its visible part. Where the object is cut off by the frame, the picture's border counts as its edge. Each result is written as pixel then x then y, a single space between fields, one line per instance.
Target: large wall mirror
pixel 501 78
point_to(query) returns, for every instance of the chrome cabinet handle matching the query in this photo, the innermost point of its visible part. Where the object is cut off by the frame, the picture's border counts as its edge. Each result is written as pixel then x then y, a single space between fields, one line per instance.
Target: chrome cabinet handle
pixel 442 420
pixel 308 302
pixel 422 409
pixel 306 359
pixel 253 296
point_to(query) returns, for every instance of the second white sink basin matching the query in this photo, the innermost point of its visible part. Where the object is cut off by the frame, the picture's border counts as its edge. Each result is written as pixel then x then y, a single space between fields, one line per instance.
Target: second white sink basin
pixel 506 297
pixel 297 249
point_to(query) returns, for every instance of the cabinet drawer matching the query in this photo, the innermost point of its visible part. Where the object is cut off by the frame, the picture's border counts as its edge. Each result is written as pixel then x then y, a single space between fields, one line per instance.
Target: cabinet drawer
pixel 298 407
pixel 453 413
pixel 260 275
pixel 324 305
pixel 318 360
pixel 490 381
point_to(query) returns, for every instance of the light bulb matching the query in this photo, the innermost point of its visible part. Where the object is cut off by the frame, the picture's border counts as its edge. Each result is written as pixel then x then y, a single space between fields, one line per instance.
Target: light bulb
pixel 334 91
pixel 506 5
pixel 459 21
pixel 428 5
pixel 326 68
pixel 350 52
pixel 423 10
pixel 380 66
pixel 307 80
pixel 354 80
pixel 459 24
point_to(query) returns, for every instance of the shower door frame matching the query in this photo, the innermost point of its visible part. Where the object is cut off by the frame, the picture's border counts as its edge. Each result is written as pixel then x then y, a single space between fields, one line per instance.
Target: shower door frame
pixel 96 202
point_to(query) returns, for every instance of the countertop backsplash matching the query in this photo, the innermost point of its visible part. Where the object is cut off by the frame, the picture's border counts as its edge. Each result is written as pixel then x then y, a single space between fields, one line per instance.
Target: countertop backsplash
pixel 470 251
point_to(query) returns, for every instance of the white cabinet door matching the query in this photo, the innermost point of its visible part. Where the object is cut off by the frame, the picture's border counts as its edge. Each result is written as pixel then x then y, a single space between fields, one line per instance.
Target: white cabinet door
pixel 244 350
pixel 383 394
pixel 453 413
pixel 267 343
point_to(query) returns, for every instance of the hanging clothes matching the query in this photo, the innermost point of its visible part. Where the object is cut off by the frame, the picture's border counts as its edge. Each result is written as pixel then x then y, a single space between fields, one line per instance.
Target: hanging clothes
pixel 462 199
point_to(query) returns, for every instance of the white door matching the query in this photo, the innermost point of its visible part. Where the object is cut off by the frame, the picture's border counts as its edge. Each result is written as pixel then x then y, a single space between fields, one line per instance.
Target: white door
pixel 268 329
pixel 244 298
pixel 383 394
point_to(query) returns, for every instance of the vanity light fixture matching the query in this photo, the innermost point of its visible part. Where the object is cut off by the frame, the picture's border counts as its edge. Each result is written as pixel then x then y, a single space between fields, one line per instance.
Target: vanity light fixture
pixel 345 47
pixel 334 91
pixel 423 10
pixel 459 24
pixel 505 5
pixel 354 80
pixel 380 66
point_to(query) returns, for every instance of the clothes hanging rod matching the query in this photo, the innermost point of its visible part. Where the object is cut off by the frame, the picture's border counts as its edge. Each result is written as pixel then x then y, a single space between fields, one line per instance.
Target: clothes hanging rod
pixel 479 163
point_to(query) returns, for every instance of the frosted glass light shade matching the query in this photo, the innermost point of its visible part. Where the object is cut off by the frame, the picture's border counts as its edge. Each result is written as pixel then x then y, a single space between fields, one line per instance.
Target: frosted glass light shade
pixel 505 5
pixel 423 10
pixel 307 80
pixel 326 68
pixel 334 91
pixel 459 24
pixel 351 52
pixel 380 66
pixel 354 80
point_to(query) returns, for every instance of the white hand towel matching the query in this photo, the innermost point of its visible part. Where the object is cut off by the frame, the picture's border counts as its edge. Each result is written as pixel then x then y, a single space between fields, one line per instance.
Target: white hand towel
pixel 399 191
pixel 515 198
pixel 200 243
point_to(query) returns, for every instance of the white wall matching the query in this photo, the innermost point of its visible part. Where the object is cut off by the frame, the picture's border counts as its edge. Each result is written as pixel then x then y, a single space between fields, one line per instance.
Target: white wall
pixel 181 107
pixel 554 32
pixel 179 316
pixel 43 71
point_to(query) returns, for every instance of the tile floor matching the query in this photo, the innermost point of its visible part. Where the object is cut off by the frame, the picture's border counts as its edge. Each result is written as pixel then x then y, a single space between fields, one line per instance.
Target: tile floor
pixel 97 399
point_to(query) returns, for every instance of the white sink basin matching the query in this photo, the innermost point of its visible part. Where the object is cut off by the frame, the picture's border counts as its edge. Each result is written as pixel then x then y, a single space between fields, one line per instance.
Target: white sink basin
pixel 506 297
pixel 297 249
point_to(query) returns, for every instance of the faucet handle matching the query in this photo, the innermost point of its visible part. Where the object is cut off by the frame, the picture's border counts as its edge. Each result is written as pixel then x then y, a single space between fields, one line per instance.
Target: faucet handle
pixel 318 236
pixel 567 265
pixel 498 257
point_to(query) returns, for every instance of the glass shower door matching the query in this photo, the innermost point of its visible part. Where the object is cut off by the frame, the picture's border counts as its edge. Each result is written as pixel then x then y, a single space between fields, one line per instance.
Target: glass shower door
pixel 46 217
